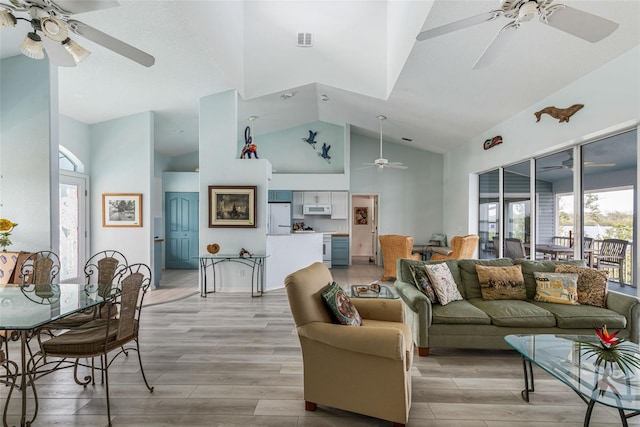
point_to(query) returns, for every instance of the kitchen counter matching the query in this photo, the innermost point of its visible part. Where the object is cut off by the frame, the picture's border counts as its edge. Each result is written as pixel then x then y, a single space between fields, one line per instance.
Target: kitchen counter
pixel 340 234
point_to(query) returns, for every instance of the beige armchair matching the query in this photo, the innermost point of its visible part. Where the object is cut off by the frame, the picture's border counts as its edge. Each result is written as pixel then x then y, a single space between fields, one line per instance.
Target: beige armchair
pixel 394 246
pixel 462 247
pixel 363 369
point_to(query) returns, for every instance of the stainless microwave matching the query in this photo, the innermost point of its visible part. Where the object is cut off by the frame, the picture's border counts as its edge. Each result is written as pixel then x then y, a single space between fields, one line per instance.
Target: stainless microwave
pixel 316 209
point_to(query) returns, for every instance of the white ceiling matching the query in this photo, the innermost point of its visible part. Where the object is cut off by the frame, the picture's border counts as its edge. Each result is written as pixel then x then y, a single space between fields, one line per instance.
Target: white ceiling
pixel 365 60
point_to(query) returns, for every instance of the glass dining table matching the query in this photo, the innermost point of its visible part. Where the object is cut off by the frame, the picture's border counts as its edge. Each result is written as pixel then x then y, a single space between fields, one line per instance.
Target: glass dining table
pixel 25 309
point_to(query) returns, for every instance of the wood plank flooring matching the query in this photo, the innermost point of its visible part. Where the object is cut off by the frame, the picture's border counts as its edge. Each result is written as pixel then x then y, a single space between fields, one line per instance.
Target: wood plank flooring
pixel 233 360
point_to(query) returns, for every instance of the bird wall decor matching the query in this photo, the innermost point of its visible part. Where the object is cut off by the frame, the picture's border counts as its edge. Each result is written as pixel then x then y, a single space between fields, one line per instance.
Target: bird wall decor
pixel 325 152
pixel 311 139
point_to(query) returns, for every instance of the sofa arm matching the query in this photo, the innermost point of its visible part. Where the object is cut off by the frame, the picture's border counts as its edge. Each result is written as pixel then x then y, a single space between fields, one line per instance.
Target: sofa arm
pixel 389 310
pixel 416 300
pixel 629 307
pixel 382 342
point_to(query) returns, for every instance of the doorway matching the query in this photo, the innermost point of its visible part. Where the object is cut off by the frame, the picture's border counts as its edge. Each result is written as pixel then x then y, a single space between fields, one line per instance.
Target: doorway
pixel 364 229
pixel 73 211
pixel 181 230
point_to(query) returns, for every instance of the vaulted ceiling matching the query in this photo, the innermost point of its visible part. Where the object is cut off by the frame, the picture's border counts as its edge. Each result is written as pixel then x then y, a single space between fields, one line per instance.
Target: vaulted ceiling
pixel 364 61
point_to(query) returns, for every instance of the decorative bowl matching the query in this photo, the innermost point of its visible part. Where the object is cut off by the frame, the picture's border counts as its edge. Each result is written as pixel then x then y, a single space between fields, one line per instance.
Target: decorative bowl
pixel 213 248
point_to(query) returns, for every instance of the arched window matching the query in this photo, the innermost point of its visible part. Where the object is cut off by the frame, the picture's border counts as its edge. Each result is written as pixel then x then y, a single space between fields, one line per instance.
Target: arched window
pixel 68 161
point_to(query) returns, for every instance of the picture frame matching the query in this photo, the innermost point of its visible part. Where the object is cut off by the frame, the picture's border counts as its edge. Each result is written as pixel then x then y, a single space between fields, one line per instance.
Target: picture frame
pixel 122 210
pixel 232 206
pixel 361 215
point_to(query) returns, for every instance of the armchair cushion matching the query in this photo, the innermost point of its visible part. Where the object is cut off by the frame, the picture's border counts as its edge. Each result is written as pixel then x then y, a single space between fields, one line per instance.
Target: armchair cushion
pixel 340 306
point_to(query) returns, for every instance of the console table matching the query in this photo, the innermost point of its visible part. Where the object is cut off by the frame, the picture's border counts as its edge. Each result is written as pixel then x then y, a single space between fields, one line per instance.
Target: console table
pixel 255 262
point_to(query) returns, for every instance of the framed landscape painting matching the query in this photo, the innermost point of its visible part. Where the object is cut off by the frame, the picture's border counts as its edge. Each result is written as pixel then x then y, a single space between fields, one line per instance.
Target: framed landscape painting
pixel 122 210
pixel 232 206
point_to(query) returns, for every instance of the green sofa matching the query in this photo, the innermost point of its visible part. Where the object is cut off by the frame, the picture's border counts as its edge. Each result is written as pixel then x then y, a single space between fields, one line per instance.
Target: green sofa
pixel 475 323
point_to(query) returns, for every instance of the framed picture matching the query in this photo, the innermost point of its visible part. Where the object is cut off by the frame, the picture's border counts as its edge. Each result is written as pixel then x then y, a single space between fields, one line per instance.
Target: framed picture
pixel 360 215
pixel 122 210
pixel 232 206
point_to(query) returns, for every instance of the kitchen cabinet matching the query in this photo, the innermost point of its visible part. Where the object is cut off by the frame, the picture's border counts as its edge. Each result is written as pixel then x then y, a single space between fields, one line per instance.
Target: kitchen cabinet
pixel 296 205
pixel 284 196
pixel 317 198
pixel 339 251
pixel 339 205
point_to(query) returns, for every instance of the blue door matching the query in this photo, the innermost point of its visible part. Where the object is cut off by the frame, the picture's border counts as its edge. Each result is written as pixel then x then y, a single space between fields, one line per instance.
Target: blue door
pixel 181 230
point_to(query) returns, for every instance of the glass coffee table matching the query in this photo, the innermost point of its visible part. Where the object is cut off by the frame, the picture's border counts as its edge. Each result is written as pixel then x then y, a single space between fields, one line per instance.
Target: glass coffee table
pixel 562 357
pixel 371 290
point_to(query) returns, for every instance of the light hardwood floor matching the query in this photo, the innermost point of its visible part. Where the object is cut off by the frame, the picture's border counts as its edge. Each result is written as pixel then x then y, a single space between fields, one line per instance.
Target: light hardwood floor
pixel 233 360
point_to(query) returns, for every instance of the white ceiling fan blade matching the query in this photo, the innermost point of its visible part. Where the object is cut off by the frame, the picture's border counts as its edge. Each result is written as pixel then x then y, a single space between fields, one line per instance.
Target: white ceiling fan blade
pixel 367 166
pixel 111 43
pixel 492 51
pixel 598 165
pixel 57 54
pixel 579 23
pixel 81 6
pixel 458 25
pixel 397 165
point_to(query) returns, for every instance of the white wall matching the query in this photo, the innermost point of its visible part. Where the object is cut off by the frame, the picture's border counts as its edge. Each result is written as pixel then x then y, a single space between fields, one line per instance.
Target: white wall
pixel 219 165
pixel 410 201
pixel 611 95
pixel 26 142
pixel 289 154
pixel 76 137
pixel 122 162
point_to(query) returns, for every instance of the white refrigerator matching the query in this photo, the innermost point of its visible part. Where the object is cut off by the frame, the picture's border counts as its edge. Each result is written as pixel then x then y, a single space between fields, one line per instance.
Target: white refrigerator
pixel 279 218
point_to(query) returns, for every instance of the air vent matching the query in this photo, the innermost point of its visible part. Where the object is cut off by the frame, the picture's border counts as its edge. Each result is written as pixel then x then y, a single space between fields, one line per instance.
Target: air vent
pixel 304 40
pixel 407 139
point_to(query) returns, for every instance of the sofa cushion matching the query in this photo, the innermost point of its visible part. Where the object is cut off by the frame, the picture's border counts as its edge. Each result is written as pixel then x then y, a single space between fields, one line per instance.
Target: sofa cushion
pixel 443 283
pixel 405 274
pixel 531 266
pixel 501 282
pixel 592 284
pixel 422 282
pixel 340 306
pixel 469 276
pixel 515 313
pixel 559 288
pixel 459 312
pixel 583 316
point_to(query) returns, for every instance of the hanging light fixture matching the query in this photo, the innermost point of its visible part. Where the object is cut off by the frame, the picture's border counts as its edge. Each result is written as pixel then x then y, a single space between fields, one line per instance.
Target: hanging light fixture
pixel 54 28
pixel 31 46
pixel 7 19
pixel 77 52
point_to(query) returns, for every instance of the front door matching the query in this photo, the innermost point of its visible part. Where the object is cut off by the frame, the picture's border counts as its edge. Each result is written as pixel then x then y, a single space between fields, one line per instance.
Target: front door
pixel 181 230
pixel 73 225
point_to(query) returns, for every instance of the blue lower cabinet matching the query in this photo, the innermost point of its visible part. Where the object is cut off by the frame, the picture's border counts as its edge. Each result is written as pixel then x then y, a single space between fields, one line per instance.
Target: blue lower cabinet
pixel 339 251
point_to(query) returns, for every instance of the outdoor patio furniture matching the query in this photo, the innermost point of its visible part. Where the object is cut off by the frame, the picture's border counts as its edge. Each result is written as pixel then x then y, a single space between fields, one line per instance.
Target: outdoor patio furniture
pixel 612 255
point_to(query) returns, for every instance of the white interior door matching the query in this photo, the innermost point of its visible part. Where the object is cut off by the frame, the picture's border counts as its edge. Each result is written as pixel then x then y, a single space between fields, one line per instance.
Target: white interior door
pixel 73 225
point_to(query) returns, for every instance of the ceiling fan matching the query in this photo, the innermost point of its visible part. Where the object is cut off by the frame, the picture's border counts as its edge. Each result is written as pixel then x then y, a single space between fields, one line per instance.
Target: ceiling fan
pixel 573 21
pixel 568 164
pixel 381 162
pixel 54 21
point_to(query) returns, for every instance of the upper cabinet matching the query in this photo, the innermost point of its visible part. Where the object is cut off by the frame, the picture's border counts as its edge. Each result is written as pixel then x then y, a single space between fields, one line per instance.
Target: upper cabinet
pixel 298 201
pixel 339 205
pixel 284 196
pixel 317 198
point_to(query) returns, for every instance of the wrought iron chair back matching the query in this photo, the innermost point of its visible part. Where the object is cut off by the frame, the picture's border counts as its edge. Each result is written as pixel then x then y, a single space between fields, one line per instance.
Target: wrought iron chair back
pixel 40 268
pixel 102 269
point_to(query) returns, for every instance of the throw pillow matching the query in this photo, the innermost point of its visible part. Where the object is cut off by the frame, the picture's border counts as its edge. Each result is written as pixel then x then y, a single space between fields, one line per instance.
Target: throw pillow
pixel 592 284
pixel 422 282
pixel 501 282
pixel 341 306
pixel 443 282
pixel 560 288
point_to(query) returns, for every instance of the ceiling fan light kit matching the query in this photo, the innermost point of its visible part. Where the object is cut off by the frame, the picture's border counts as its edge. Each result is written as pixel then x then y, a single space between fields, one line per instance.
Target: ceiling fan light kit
pixel 55 23
pixel 576 22
pixel 31 46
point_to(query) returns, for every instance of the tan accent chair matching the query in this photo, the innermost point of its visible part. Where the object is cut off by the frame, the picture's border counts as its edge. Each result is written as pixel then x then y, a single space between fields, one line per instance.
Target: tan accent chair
pixel 394 246
pixel 462 247
pixel 364 369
